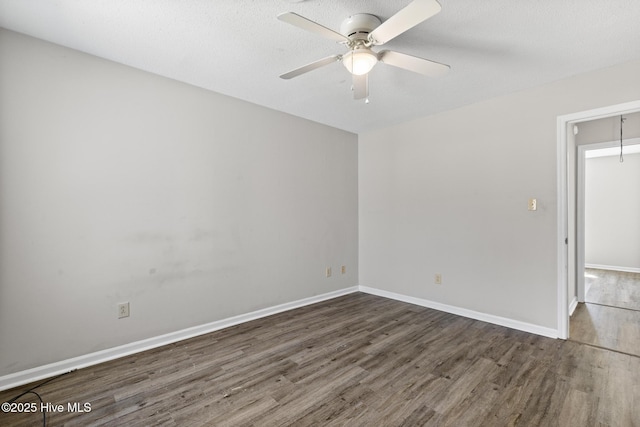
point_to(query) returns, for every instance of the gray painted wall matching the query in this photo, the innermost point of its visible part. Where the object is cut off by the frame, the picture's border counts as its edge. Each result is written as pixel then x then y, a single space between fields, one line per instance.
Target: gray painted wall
pixel 118 185
pixel 448 194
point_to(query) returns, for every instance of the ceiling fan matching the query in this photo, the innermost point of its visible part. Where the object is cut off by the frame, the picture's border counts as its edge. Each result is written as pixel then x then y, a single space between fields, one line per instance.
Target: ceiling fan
pixel 359 33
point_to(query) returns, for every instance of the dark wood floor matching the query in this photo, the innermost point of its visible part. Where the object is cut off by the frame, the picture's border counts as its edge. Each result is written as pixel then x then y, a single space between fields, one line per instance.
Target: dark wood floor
pixel 610 316
pixel 357 360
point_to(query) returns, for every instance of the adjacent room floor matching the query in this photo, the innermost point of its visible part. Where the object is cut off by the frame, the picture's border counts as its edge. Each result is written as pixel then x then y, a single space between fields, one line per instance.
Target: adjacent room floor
pixel 357 360
pixel 610 316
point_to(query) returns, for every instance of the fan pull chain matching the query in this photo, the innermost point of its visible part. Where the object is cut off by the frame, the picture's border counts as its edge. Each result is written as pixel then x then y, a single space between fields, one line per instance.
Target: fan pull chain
pixel 622 119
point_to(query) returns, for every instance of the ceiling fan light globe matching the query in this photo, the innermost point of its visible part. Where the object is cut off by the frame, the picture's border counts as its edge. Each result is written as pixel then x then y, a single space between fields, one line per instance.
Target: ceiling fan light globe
pixel 360 61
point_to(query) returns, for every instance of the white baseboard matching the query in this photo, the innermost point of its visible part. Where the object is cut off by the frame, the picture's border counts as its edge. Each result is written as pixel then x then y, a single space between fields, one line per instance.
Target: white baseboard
pixel 613 268
pixel 489 318
pixel 573 305
pixel 52 369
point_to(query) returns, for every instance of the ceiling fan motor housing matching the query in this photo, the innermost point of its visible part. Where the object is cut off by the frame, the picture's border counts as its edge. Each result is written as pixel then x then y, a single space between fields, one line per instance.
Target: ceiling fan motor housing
pixel 358 26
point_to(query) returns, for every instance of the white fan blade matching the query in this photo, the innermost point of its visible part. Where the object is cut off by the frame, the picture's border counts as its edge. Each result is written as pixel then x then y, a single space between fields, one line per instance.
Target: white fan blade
pixel 309 25
pixel 413 14
pixel 310 67
pixel 413 63
pixel 361 86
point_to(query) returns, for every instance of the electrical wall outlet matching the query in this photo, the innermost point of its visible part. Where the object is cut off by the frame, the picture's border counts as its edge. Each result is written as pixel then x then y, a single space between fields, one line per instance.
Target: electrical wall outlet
pixel 123 310
pixel 533 204
pixel 328 272
pixel 437 279
pixel 343 270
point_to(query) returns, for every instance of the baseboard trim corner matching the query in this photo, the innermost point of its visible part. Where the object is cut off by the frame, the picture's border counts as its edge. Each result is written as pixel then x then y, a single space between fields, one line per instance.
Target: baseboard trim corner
pixel 489 318
pixel 573 305
pixel 46 371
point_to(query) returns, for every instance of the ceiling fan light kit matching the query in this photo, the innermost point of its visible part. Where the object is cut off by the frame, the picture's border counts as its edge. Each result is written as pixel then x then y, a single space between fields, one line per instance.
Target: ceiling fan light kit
pixel 359 33
pixel 360 60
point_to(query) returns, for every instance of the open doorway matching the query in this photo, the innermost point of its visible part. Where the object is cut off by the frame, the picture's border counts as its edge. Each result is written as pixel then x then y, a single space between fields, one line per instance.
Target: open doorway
pixel 567 244
pixel 607 206
pixel 608 236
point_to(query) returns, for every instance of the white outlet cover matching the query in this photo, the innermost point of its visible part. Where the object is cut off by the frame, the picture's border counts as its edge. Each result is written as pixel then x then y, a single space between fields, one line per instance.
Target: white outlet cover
pixel 123 310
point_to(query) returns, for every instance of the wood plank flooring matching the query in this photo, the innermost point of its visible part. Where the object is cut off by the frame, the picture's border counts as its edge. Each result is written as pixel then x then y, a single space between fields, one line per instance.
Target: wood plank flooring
pixel 613 288
pixel 357 360
pixel 610 316
pixel 609 327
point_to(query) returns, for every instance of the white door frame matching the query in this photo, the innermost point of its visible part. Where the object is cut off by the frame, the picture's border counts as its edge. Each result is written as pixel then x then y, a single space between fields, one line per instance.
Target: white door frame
pixel 563 220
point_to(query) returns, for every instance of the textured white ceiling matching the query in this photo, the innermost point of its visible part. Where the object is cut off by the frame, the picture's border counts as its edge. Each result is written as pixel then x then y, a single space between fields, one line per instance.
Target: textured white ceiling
pixel 239 48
